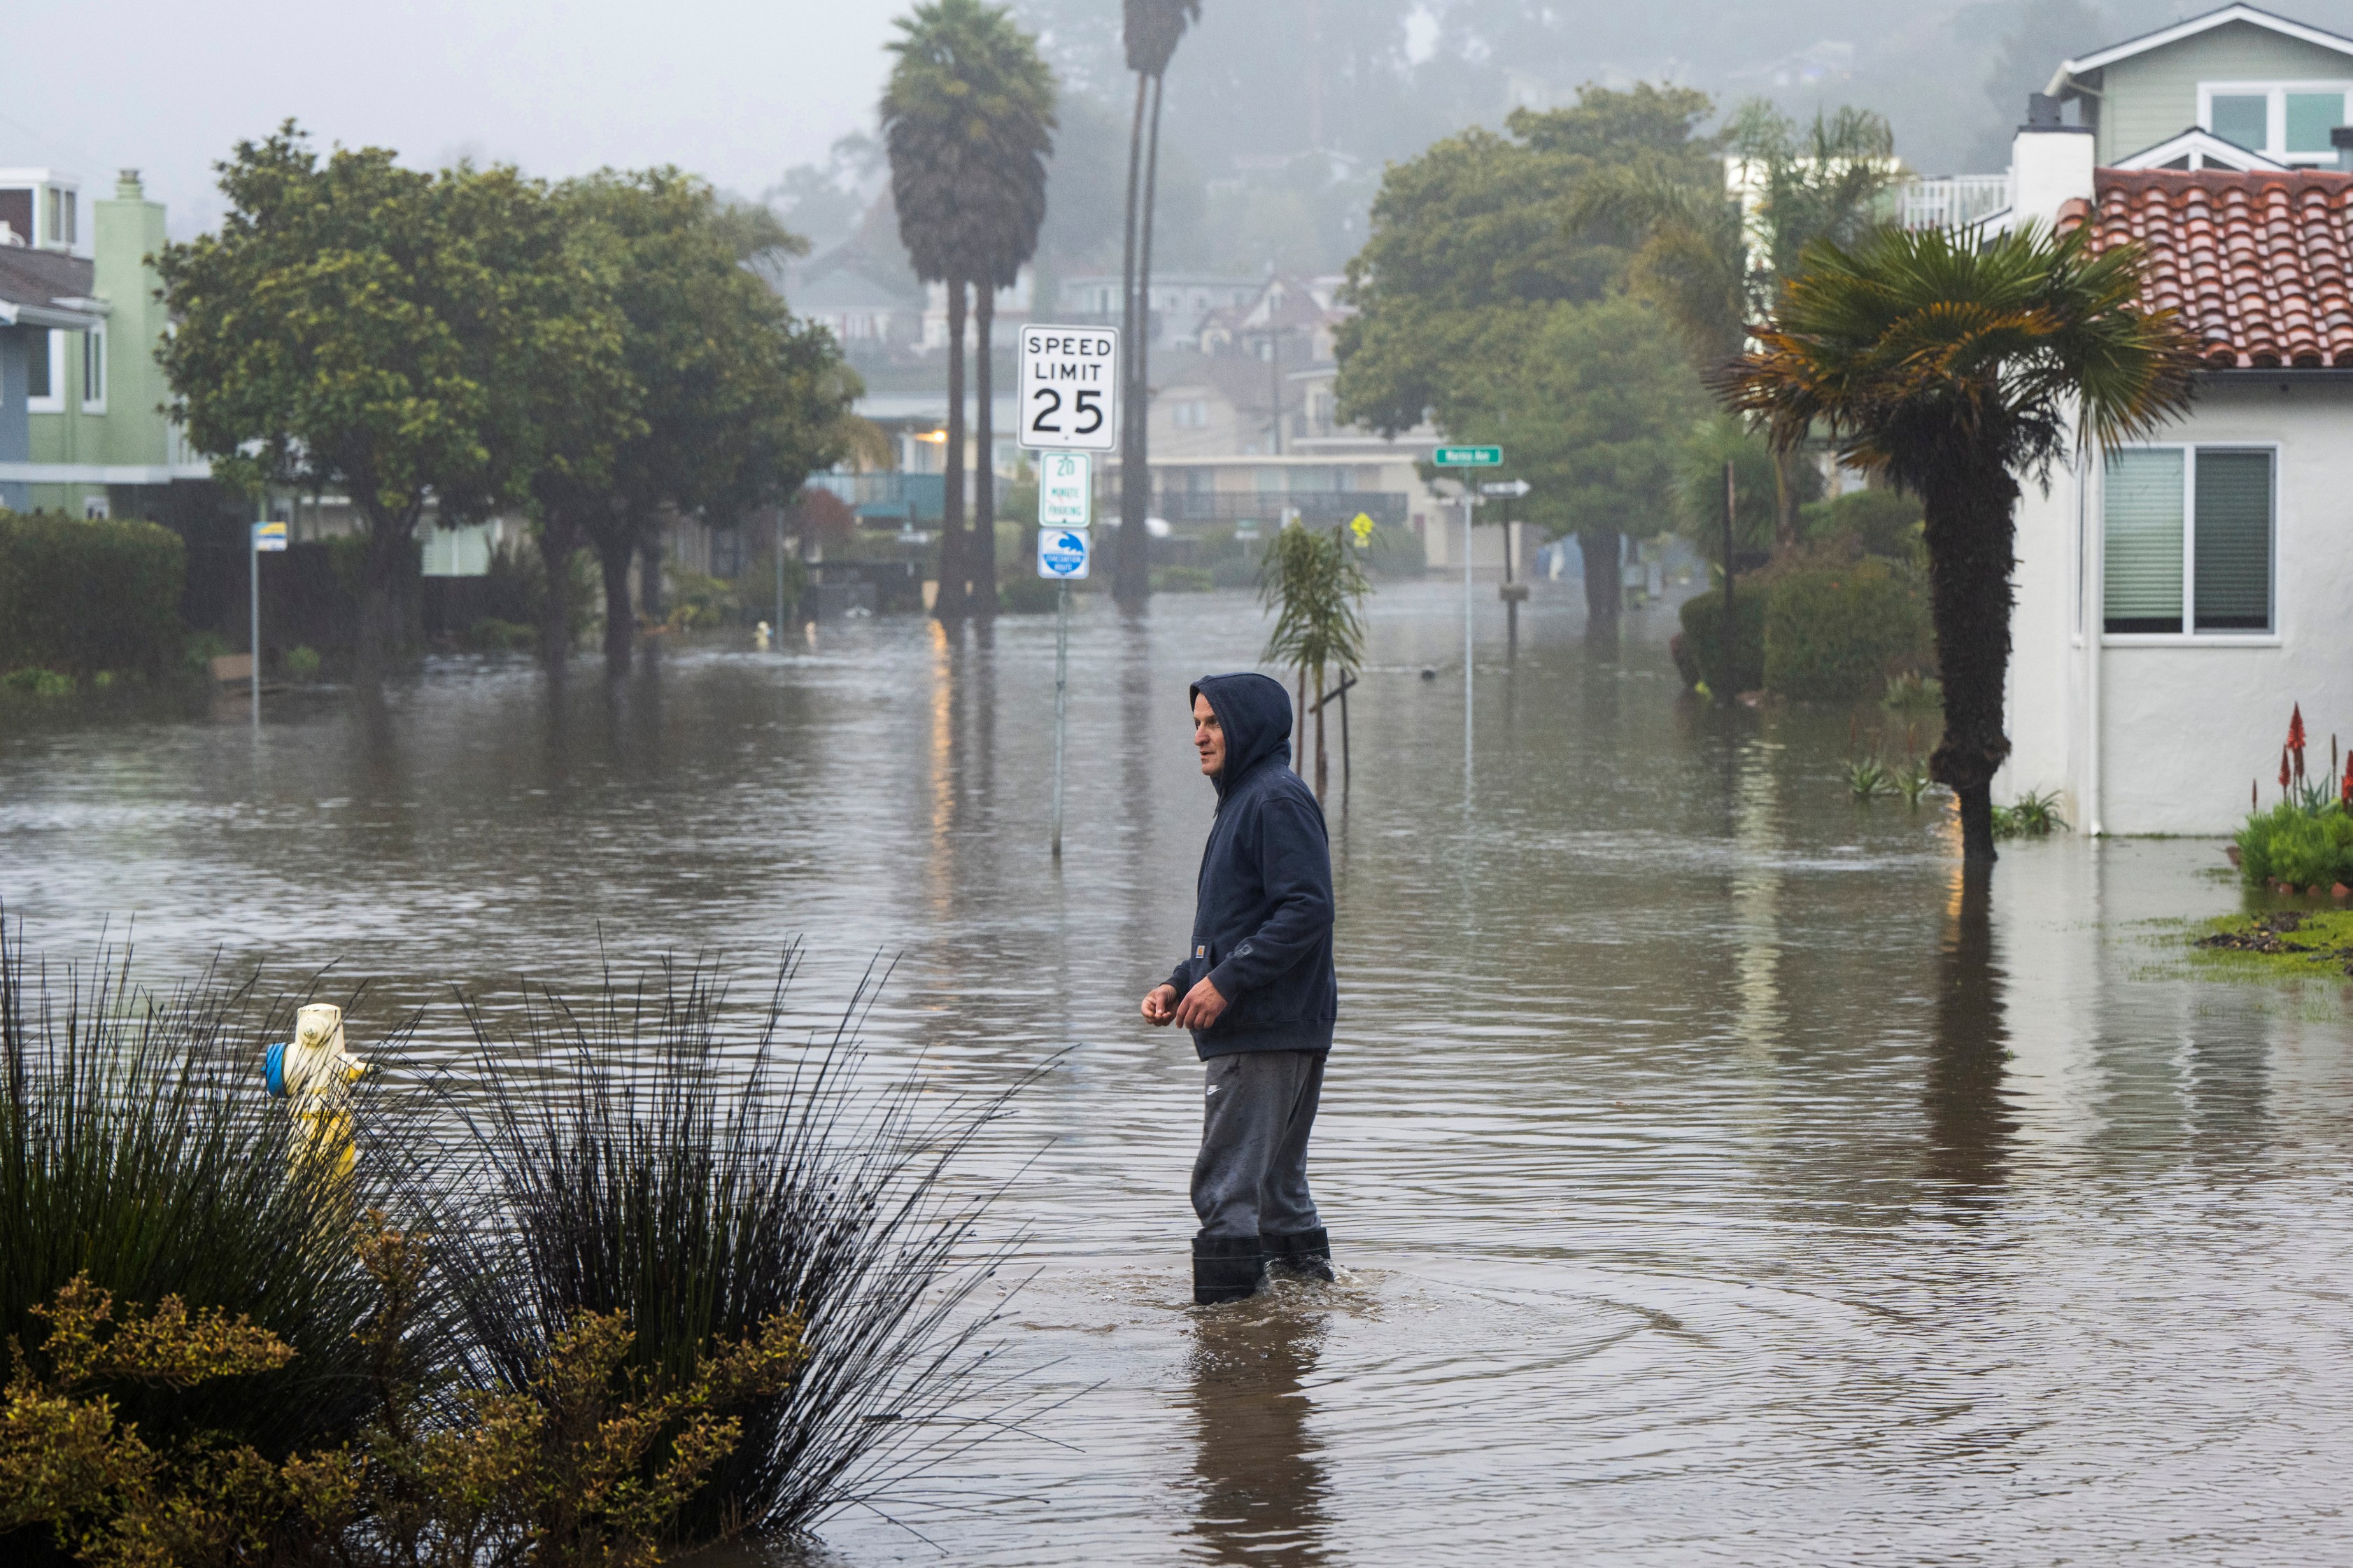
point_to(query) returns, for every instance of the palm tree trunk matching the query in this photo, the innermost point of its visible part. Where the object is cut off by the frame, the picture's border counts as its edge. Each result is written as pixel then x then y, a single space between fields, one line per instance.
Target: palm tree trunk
pixel 950 605
pixel 980 562
pixel 1131 571
pixel 1299 736
pixel 1323 762
pixel 1970 533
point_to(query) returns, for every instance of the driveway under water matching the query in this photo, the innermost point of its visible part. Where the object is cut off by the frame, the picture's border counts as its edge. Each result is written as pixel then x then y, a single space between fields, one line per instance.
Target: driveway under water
pixel 1715 1182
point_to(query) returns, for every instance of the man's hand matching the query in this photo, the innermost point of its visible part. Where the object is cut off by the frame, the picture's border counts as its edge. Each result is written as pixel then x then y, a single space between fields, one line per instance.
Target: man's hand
pixel 1160 1007
pixel 1201 1007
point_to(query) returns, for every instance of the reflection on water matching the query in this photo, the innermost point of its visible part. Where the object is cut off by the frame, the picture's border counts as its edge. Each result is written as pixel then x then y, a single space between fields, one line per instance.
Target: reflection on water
pixel 1723 1177
pixel 1968 1122
pixel 1259 1465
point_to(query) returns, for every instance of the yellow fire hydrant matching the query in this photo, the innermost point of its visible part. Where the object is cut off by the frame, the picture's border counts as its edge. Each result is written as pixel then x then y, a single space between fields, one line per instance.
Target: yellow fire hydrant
pixel 314 1074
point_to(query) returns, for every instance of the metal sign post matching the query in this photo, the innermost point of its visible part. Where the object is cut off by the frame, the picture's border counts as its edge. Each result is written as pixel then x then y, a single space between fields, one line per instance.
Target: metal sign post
pixel 266 536
pixel 1467 458
pixel 1070 407
pixel 1062 556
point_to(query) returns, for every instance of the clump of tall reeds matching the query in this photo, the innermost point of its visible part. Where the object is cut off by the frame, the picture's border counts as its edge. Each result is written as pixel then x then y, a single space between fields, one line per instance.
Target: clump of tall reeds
pixel 139 1153
pixel 656 1152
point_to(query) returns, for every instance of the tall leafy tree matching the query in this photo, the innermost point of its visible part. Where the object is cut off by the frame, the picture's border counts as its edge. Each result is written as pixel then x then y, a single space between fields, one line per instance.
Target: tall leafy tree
pixel 1474 246
pixel 1589 403
pixel 708 348
pixel 391 335
pixel 1714 260
pixel 1151 30
pixel 967 120
pixel 1954 365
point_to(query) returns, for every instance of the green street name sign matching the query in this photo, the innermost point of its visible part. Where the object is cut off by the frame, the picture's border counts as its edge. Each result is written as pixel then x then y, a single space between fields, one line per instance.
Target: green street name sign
pixel 1469 456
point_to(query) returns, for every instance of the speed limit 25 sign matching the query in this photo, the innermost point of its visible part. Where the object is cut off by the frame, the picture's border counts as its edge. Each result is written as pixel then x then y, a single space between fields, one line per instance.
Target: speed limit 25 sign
pixel 1069 388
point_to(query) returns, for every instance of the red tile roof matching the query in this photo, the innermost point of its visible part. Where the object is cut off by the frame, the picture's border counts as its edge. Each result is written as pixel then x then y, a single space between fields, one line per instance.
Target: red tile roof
pixel 2260 264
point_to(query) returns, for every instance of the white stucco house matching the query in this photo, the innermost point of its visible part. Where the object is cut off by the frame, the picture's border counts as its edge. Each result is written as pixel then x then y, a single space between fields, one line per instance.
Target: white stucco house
pixel 2174 600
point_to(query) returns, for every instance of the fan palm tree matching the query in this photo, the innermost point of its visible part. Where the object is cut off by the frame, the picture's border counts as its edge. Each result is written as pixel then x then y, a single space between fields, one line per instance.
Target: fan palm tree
pixel 967 120
pixel 1151 30
pixel 1952 364
pixel 1314 586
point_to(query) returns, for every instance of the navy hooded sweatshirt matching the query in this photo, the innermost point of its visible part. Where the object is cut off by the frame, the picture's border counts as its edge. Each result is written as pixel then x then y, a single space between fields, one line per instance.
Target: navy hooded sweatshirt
pixel 1262 920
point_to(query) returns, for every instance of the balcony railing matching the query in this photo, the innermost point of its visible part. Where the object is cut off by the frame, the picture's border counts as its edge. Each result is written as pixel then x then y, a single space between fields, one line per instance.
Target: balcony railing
pixel 1314 508
pixel 1954 201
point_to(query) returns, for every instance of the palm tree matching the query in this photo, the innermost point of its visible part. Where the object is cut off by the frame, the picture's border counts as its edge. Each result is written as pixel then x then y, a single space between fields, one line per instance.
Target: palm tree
pixel 1151 29
pixel 967 120
pixel 1314 586
pixel 1952 365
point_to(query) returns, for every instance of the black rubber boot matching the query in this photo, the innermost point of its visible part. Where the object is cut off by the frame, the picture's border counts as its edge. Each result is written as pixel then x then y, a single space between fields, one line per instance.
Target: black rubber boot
pixel 1306 1256
pixel 1225 1268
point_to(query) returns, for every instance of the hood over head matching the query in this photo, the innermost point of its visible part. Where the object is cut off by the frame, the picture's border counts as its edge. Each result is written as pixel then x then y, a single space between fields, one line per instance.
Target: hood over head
pixel 1254 711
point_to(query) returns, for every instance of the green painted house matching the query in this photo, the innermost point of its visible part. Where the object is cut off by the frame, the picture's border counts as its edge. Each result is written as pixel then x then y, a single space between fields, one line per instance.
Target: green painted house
pixel 2262 82
pixel 98 441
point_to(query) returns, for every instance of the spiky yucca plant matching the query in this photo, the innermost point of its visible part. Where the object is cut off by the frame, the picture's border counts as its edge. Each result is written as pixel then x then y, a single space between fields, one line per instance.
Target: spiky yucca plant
pixel 1953 363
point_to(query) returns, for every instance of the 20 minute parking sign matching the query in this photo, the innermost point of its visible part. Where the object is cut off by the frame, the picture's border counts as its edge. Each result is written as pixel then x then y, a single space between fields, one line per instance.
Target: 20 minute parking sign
pixel 1069 388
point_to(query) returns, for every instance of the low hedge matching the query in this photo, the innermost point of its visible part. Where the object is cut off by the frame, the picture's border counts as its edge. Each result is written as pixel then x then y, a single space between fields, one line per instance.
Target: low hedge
pixel 1838 633
pixel 2304 845
pixel 83 596
pixel 1699 652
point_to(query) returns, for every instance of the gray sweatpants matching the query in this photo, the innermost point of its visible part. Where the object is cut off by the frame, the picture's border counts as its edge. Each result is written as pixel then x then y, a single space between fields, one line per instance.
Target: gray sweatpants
pixel 1257 1110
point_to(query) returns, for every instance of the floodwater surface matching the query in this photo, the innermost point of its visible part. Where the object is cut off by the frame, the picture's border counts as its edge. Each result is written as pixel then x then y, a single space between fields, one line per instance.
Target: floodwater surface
pixel 1716 1179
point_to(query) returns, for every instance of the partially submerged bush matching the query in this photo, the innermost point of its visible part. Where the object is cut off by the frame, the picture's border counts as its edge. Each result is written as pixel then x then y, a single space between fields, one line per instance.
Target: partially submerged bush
pixel 84 594
pixel 660 1155
pixel 2031 816
pixel 1836 633
pixel 2301 845
pixel 139 1153
pixel 1700 653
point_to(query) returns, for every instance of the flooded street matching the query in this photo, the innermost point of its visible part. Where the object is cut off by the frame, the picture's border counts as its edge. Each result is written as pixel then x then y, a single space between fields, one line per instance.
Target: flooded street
pixel 1715 1182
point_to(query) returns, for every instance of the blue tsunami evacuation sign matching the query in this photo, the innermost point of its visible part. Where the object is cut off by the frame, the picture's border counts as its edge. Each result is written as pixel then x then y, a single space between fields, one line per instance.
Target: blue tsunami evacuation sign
pixel 1061 552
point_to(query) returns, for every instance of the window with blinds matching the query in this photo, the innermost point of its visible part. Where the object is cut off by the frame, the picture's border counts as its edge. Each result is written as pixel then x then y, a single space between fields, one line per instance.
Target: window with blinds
pixel 2231 568
pixel 2143 569
pixel 2189 540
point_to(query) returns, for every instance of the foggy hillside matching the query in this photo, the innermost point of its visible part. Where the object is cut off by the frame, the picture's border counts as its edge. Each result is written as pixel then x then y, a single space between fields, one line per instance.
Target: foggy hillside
pixel 1280 115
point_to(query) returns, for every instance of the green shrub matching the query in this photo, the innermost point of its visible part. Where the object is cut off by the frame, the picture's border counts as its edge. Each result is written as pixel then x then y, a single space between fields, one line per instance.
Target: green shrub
pixel 1029 595
pixel 1838 633
pixel 83 596
pixel 1885 523
pixel 38 682
pixel 303 662
pixel 495 636
pixel 1182 580
pixel 1699 652
pixel 2032 816
pixel 700 601
pixel 1233 572
pixel 1394 553
pixel 2304 846
pixel 197 653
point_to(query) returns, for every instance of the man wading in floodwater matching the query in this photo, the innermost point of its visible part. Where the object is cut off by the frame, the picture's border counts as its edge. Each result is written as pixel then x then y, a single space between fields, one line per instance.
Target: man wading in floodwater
pixel 1258 993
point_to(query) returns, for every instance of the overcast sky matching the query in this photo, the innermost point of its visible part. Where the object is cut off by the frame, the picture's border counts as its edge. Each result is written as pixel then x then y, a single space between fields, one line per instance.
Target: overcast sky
pixel 731 88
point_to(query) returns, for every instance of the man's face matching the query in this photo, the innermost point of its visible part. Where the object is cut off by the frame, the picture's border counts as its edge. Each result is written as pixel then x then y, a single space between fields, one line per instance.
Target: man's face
pixel 1208 736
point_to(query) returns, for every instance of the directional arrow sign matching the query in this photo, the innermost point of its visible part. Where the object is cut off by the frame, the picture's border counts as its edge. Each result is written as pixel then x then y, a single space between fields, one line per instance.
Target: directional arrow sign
pixel 1514 488
pixel 1069 388
pixel 1468 457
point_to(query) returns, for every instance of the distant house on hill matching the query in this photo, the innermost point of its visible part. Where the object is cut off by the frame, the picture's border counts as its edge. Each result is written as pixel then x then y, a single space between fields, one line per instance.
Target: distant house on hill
pixel 2261 83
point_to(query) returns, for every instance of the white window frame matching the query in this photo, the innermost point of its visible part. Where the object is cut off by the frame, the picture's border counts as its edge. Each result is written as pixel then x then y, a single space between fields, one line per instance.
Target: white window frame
pixel 54 403
pixel 93 353
pixel 2188 636
pixel 2274 93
